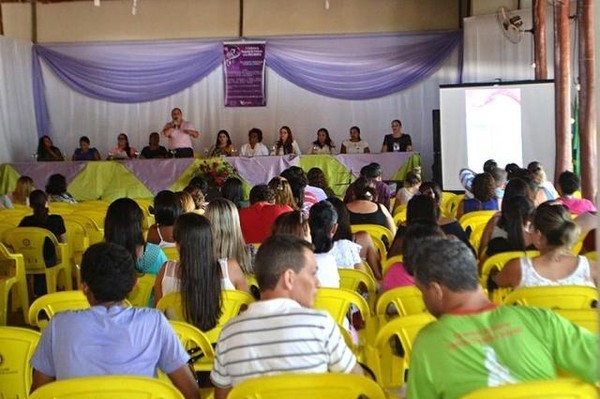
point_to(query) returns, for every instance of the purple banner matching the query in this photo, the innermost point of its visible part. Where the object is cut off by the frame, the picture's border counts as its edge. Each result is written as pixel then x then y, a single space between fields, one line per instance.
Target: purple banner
pixel 244 70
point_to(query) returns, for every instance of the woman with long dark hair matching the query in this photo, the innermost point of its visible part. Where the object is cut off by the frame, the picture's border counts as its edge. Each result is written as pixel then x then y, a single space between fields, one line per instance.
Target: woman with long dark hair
pixel 166 209
pixel 123 226
pixel 323 144
pixel 197 275
pixel 123 150
pixel 47 152
pixel 323 223
pixel 286 143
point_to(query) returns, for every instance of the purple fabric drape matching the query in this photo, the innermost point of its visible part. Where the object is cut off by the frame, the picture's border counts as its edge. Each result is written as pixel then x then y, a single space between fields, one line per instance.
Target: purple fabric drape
pixel 353 67
pixel 124 72
pixel 360 67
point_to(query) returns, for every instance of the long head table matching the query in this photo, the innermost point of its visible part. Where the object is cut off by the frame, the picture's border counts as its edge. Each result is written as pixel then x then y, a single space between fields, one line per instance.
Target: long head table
pixel 143 178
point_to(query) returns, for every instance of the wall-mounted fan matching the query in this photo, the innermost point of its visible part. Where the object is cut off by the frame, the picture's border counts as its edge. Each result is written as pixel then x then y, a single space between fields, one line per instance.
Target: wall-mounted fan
pixel 511 26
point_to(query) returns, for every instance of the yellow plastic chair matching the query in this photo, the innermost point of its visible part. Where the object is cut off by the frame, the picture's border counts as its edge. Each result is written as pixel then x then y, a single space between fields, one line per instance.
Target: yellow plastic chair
pixel 94 231
pixel 474 223
pixel 172 253
pixel 97 216
pixel 403 301
pixel 399 217
pixel 586 318
pixel 29 241
pixel 17 347
pixel 388 366
pixel 233 302
pixel 192 338
pixel 79 242
pixel 359 281
pixel 446 197
pixel 105 387
pixel 564 388
pixel 4 226
pixel 253 285
pixel 385 266
pixel 12 275
pixel 497 262
pixel 375 231
pixel 50 304
pixel 555 297
pixel 13 219
pixel 591 256
pixel 314 386
pixel 140 294
pixel 62 208
pixel 451 206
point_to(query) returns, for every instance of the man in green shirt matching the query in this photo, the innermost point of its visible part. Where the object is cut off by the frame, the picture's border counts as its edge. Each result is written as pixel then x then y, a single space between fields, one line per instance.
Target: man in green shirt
pixel 476 344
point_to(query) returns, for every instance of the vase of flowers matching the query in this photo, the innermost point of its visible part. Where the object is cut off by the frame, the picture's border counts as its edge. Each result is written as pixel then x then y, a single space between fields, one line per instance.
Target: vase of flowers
pixel 215 171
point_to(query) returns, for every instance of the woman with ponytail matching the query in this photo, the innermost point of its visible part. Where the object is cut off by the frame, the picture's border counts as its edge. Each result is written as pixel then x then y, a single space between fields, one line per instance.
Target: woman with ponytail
pixel 512 231
pixel 554 233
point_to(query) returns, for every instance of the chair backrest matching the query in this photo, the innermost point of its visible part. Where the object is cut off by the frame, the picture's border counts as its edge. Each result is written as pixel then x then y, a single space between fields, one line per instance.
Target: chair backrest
pixel 586 318
pixel 97 216
pixel 53 303
pixel 12 274
pixel 94 231
pixel 385 266
pixel 357 280
pixel 29 241
pixel 591 256
pixel 4 226
pixel 375 231
pixel 314 386
pixel 399 216
pixel 451 205
pixel 105 387
pixel 141 292
pixel 12 218
pixel 191 338
pixel 405 300
pixel 473 223
pixel 233 302
pixel 555 297
pixel 171 252
pixel 17 346
pixel 337 301
pixel 497 262
pixel 564 388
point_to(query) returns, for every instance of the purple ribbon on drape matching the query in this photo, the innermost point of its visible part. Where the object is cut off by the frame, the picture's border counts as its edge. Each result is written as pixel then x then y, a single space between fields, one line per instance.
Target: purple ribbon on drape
pixel 350 67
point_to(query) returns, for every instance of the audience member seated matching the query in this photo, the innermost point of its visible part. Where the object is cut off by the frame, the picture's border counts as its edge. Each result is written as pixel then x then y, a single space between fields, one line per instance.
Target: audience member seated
pixel 254 147
pixel 166 209
pixel 365 209
pixel 293 223
pixel 305 195
pixel 361 239
pixel 283 192
pixel 286 144
pixel 372 172
pixel 484 196
pixel 228 242
pixel 22 191
pixel 38 200
pixel 475 343
pixel 397 141
pixel 187 201
pixel 257 220
pixel 323 144
pixel 316 178
pixel 47 152
pixel 154 149
pixel 412 182
pixel 355 145
pixel 280 333
pixel 539 176
pixel 198 197
pixel 400 274
pixel 514 227
pixel 123 226
pixel 110 338
pixel 568 183
pixel 56 188
pixel 467 175
pixel 223 145
pixel 322 221
pixel 554 234
pixel 122 149
pixel 198 275
pixel 180 133
pixel 85 152
pixel 233 190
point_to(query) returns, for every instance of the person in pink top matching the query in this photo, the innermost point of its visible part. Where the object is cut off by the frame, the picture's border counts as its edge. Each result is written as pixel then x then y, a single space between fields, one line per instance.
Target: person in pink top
pixel 568 183
pixel 180 133
pixel 257 219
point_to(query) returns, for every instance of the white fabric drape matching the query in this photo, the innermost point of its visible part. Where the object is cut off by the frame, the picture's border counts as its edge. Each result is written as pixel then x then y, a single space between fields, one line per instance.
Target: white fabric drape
pixel 18 138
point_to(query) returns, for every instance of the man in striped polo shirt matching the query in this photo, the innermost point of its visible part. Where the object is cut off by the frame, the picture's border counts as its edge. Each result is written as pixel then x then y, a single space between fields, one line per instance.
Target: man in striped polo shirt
pixel 281 333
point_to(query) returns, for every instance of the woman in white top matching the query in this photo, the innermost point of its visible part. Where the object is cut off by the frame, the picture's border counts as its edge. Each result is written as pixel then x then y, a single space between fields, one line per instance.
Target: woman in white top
pixel 228 240
pixel 323 144
pixel 286 143
pixel 355 145
pixel 166 209
pixel 254 147
pixel 553 235
pixel 198 275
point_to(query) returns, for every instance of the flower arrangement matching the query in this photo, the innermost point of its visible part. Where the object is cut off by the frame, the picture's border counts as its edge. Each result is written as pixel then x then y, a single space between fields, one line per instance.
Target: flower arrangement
pixel 215 172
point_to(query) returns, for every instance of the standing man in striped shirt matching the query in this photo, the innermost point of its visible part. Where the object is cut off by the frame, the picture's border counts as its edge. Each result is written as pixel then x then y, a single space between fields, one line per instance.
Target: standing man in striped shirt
pixel 281 333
